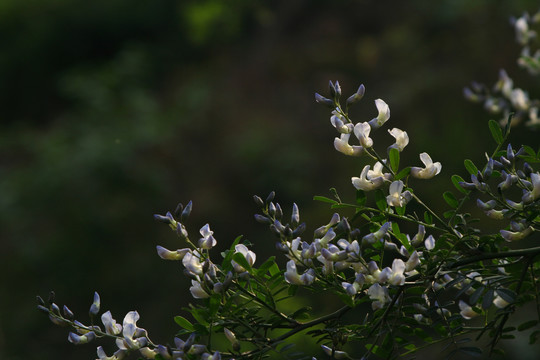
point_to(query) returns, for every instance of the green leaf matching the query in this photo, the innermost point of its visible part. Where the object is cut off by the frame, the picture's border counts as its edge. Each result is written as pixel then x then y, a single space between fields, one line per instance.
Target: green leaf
pixel 496 131
pixel 324 199
pixel 527 325
pixel 487 301
pixel 360 197
pixel 451 199
pixel 471 168
pixel 184 323
pixel 533 337
pixel 403 173
pixel 274 270
pixel 394 159
pixel 240 259
pixel 507 295
pixel 380 200
pixel 266 266
pixel 456 179
pixel 508 125
pixel 529 150
pixel 428 218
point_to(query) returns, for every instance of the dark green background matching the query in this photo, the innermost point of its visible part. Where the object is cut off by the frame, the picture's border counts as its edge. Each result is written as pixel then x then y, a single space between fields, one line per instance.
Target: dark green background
pixel 113 110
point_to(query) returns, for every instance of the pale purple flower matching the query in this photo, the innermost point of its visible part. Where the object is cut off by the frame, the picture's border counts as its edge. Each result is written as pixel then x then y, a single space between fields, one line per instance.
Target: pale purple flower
pixel 363 183
pixel 362 130
pixel 382 117
pixel 396 197
pixel 342 145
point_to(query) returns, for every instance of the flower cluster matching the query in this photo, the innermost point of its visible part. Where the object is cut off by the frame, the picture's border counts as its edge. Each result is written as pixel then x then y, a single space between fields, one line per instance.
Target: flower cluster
pixel 505 99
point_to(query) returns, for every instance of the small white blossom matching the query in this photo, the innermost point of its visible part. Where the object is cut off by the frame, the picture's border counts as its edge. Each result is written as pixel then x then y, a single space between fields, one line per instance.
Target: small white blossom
pixel 338 121
pixel 382 117
pixel 363 183
pixel 111 327
pixel 430 170
pixel 397 197
pixel 342 145
pixel 118 355
pixel 523 34
pixel 131 332
pixel 520 99
pixel 207 241
pixel 192 263
pixel 379 294
pixel 534 194
pixel 361 131
pixel 466 312
pixel 248 254
pixel 397 277
pixel 166 254
pixel 197 290
pixel 292 277
pixel 402 139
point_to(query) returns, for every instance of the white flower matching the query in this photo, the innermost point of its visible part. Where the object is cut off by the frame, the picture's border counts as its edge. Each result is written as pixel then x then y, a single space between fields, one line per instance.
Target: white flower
pixel 379 294
pixel 363 183
pixel 534 194
pixel 118 355
pixel 431 169
pixel 248 254
pixel 523 34
pixel 361 131
pixel 500 302
pixel 292 277
pixel 413 262
pixel 396 197
pixel 384 114
pixel 132 334
pixel 111 327
pixel 338 122
pixel 466 312
pixel 192 264
pixel 166 254
pixel 430 242
pixel 516 235
pixel 342 145
pixel 397 277
pixel 377 172
pixel 197 290
pixel 207 241
pixel 402 139
pixel 520 99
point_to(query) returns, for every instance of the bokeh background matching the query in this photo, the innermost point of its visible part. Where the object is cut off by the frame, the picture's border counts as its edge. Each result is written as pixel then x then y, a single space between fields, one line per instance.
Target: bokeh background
pixel 112 111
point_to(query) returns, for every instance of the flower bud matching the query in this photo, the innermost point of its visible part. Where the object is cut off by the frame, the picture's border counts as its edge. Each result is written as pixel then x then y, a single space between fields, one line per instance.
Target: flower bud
pixel 81 339
pixel 299 230
pixel 295 216
pixel 68 314
pixel 262 219
pixel 258 201
pixel 324 101
pixel 279 211
pixel 357 96
pixel 270 197
pixel 94 308
pixel 186 212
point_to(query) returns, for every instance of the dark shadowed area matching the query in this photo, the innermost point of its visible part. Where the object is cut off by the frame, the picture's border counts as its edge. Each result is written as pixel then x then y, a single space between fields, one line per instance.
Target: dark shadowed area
pixel 112 111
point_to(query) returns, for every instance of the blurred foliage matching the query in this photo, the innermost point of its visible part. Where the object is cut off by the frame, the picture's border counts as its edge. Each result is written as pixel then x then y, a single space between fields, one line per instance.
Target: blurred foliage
pixel 114 110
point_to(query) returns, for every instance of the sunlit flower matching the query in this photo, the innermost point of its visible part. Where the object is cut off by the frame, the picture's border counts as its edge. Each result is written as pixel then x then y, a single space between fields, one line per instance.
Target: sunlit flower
pixel 430 242
pixel 363 183
pixel 523 34
pixel 382 117
pixel 500 302
pixel 111 327
pixel 377 172
pixel 133 336
pixel 342 145
pixel 81 339
pixel 379 294
pixel 534 194
pixel 377 235
pixel 338 121
pixel 166 254
pixel 402 139
pixel 397 197
pixel 207 241
pixel 361 131
pixel 520 99
pixel 192 263
pixel 516 235
pixel 248 254
pixel 118 355
pixel 412 262
pixel 431 169
pixel 397 277
pixel 466 312
pixel 197 290
pixel 292 277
